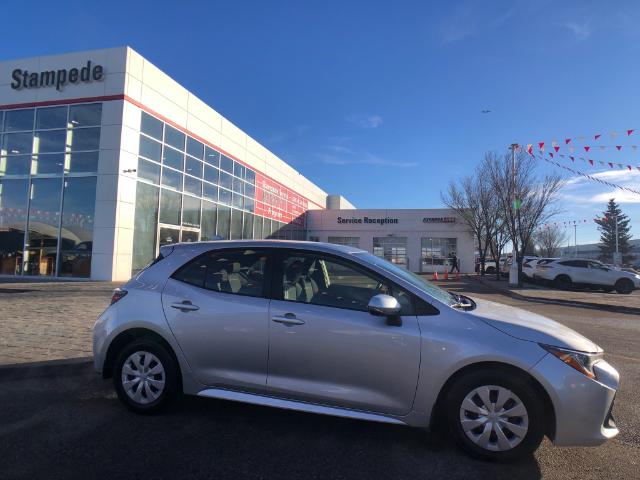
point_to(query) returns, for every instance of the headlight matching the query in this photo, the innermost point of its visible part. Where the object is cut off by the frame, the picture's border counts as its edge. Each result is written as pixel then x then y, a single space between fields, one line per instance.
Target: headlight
pixel 581 361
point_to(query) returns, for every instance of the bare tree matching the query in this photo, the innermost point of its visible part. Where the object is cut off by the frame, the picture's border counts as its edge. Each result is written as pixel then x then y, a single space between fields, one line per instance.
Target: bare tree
pixel 465 199
pixel 549 239
pixel 526 200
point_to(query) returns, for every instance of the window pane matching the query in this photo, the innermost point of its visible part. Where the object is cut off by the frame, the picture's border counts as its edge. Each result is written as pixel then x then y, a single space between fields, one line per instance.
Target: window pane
pixel 195 148
pixel 18 143
pixel 211 156
pixel 168 236
pixel 238 185
pixel 208 222
pixel 173 158
pixel 150 149
pixel 192 185
pixel 211 174
pixel 151 126
pixel 257 227
pixel 238 170
pixel 171 178
pixel 323 281
pixel 251 176
pixel 14 196
pixel 15 165
pixel 247 227
pixel 210 191
pixel 149 171
pixel 190 211
pixel 85 115
pixel 236 224
pixel 224 196
pixel 193 272
pixel 266 228
pixel 237 201
pixel 18 120
pixel 226 181
pixel 224 218
pixel 76 235
pixel 145 225
pixel 1 121
pixel 226 164
pixel 48 163
pixel 241 272
pixel 85 139
pixel 44 221
pixel 53 117
pixel 250 190
pixel 189 236
pixel 85 162
pixel 174 137
pixel 170 207
pixel 193 167
pixel 249 204
pixel 50 141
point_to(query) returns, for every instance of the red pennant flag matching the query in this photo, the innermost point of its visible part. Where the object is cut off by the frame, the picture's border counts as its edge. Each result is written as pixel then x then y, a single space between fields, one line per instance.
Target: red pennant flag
pixel 591 162
pixel 567 141
pixel 573 159
pixel 597 136
pixel 629 167
pixel 629 132
pixel 556 148
pixel 530 149
pixel 610 164
pixel 541 145
pixel 551 154
pixel 586 149
pixel 619 147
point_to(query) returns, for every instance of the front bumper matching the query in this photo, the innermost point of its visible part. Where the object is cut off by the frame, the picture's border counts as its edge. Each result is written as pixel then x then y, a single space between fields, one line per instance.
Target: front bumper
pixel 582 405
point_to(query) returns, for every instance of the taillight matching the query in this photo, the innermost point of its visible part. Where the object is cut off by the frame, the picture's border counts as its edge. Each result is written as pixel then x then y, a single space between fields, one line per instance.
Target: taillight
pixel 118 294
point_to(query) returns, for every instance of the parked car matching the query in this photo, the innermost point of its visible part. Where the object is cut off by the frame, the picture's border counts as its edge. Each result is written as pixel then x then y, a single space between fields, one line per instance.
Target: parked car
pixel 529 266
pixel 336 330
pixel 566 274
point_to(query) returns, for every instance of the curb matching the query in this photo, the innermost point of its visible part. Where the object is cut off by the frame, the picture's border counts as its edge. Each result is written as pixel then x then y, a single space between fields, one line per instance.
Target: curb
pixel 63 367
pixel 564 303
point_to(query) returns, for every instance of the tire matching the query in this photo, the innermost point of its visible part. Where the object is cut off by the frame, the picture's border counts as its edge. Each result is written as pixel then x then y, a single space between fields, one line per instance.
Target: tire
pixel 563 282
pixel 515 436
pixel 161 379
pixel 624 285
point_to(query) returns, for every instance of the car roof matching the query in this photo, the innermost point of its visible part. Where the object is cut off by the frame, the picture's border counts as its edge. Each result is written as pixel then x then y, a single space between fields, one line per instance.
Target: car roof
pixel 283 244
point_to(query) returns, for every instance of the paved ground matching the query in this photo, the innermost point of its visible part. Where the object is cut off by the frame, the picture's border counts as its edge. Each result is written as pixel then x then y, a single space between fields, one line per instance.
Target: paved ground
pixel 67 423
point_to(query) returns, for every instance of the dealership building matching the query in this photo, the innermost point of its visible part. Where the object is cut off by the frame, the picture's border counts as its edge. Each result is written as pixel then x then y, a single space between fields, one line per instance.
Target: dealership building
pixel 104 158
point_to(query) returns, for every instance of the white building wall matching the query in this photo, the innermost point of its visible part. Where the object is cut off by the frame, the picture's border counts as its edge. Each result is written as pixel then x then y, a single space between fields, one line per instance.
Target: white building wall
pixel 324 224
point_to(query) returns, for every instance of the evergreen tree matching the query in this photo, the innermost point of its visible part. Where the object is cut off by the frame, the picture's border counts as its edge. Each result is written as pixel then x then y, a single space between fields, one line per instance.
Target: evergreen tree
pixel 607 228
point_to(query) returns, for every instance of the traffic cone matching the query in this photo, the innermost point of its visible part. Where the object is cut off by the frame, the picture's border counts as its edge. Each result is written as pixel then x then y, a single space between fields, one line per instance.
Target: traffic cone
pixel 446 273
pixel 435 274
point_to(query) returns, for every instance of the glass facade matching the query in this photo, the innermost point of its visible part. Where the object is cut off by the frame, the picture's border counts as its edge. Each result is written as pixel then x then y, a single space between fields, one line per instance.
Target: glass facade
pixel 393 249
pixel 347 241
pixel 436 251
pixel 48 168
pixel 196 193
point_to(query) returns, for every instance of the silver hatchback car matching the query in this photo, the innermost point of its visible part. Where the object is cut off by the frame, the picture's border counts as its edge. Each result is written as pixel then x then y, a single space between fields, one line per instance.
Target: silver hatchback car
pixel 336 330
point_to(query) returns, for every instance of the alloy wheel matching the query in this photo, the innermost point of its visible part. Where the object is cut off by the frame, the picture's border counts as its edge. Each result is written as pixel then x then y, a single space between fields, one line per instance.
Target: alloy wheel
pixel 494 418
pixel 143 377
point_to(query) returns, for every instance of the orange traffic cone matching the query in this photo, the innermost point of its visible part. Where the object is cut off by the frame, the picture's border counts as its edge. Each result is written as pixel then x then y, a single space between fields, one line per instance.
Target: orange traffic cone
pixel 435 274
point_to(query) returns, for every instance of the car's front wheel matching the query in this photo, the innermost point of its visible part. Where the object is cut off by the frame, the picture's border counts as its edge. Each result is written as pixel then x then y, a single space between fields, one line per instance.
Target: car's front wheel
pixel 563 282
pixel 495 415
pixel 624 285
pixel 145 376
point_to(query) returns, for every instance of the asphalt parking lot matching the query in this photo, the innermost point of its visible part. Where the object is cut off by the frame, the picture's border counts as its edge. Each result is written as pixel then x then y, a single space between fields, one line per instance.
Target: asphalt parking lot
pixel 65 422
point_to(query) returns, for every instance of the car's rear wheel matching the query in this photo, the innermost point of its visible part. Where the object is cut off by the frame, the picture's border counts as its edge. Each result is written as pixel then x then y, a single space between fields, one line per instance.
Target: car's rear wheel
pixel 563 282
pixel 624 285
pixel 495 415
pixel 145 376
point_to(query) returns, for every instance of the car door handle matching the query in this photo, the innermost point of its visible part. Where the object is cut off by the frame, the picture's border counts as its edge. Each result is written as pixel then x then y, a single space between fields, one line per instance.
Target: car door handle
pixel 288 319
pixel 185 306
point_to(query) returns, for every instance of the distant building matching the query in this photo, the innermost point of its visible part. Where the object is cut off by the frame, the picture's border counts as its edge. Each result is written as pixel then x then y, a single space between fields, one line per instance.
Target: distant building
pixel 591 251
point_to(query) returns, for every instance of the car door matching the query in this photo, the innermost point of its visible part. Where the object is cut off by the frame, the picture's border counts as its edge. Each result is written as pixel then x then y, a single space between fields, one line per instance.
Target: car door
pixel 599 274
pixel 326 348
pixel 217 307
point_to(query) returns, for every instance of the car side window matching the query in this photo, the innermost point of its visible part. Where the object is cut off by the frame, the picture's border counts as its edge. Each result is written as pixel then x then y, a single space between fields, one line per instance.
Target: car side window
pixel 328 282
pixel 240 272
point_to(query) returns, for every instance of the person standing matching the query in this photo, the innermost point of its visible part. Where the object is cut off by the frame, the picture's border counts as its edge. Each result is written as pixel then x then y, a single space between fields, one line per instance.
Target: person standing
pixel 454 262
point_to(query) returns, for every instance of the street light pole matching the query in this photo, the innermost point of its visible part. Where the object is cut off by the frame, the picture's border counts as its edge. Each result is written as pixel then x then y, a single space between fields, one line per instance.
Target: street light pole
pixel 513 271
pixel 575 238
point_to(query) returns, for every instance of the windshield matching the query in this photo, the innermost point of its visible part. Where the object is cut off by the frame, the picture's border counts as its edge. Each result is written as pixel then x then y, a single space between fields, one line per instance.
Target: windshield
pixel 417 281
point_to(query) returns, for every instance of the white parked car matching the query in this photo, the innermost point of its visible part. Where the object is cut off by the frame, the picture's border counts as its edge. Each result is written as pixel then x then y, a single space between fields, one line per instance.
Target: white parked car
pixel 529 265
pixel 566 274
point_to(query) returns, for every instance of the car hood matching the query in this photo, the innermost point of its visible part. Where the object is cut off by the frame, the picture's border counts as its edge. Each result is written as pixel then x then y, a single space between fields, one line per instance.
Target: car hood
pixel 531 327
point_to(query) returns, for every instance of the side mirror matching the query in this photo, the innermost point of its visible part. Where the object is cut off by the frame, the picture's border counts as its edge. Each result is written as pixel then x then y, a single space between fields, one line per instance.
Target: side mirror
pixel 384 305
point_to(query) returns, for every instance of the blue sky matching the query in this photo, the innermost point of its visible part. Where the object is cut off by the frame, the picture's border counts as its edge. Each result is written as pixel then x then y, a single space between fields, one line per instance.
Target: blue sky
pixel 381 101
